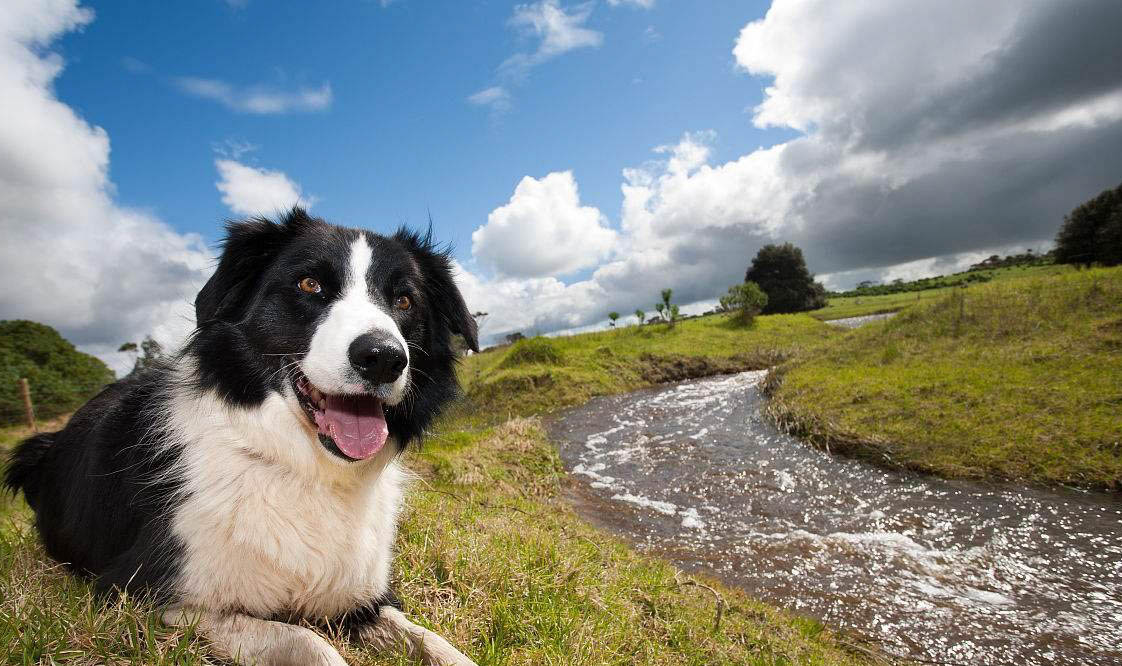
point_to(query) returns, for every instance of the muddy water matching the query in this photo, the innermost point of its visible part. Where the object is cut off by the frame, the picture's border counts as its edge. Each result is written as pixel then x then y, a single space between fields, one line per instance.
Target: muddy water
pixel 937 570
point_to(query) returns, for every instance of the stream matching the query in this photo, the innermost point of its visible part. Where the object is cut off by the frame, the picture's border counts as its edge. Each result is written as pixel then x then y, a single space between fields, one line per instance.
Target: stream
pixel 947 571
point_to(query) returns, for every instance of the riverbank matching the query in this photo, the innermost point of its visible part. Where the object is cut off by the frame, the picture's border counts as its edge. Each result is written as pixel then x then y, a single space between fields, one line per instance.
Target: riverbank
pixel 1017 380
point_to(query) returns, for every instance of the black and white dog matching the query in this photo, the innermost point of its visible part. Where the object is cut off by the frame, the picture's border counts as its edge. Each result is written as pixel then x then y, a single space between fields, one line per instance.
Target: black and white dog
pixel 254 479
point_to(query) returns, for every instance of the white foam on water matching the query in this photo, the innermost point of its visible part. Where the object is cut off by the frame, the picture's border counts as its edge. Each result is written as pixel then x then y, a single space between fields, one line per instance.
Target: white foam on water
pixel 667 508
pixel 691 519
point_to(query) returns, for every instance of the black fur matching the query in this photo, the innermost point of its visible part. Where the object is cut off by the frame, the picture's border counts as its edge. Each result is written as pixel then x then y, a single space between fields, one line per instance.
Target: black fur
pixel 100 487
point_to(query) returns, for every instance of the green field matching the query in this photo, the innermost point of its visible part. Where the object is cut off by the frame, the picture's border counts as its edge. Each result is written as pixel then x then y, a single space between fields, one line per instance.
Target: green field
pixel 1016 379
pixel 489 553
pixel 858 306
pixel 1020 378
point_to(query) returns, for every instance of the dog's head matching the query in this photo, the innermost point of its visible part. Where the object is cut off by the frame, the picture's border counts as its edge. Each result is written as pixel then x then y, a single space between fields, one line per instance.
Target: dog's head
pixel 352 328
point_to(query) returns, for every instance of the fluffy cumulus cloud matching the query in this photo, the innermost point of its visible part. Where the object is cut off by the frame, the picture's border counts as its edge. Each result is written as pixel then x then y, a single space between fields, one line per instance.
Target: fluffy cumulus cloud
pixel 249 190
pixel 543 231
pixel 100 273
pixel 258 99
pixel 643 4
pixel 929 135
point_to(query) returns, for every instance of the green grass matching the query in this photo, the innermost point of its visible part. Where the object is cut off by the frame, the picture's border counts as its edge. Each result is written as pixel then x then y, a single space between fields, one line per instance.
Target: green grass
pixel 488 555
pixel 1016 379
pixel 859 306
pixel 1026 384
pixel 539 375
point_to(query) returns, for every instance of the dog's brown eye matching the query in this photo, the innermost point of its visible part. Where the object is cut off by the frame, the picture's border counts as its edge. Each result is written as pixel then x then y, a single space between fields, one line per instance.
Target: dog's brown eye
pixel 310 285
pixel 403 303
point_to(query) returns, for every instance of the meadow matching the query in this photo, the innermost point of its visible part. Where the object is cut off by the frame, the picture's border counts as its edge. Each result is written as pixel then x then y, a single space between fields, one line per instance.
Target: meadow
pixel 1018 378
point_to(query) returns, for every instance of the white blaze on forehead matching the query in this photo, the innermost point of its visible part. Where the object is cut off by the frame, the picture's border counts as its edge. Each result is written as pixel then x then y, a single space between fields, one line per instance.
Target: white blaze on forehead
pixel 354 313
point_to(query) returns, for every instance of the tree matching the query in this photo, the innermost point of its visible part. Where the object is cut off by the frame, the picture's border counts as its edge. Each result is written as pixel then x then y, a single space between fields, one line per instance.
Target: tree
pixel 148 354
pixel 514 337
pixel 640 315
pixel 1089 233
pixel 613 316
pixel 667 311
pixel 781 272
pixel 745 301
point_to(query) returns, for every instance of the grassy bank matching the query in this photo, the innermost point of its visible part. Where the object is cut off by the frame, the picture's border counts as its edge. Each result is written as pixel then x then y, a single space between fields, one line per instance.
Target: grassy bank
pixel 489 554
pixel 539 375
pixel 1017 379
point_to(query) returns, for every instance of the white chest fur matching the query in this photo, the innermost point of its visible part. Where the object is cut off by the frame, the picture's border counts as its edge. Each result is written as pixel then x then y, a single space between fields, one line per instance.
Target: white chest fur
pixel 270 521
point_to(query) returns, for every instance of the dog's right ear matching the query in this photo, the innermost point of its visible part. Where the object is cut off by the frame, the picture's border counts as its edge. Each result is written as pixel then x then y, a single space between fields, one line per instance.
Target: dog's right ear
pixel 248 249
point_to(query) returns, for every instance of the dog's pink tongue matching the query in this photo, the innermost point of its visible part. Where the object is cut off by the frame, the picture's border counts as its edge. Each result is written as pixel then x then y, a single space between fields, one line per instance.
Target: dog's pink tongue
pixel 356 423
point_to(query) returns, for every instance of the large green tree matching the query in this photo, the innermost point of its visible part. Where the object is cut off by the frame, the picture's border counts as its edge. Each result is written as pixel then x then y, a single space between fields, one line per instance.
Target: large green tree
pixel 1092 231
pixel 780 270
pixel 61 377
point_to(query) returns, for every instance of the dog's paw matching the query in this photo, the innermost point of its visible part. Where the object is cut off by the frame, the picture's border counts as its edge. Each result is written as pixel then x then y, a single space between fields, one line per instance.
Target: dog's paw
pixel 303 648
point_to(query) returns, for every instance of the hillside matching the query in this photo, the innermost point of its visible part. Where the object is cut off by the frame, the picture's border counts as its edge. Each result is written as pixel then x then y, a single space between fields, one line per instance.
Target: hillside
pixel 61 377
pixel 1018 379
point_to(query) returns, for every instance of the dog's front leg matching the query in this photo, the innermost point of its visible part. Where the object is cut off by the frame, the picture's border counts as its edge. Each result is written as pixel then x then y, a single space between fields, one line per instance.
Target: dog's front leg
pixel 392 630
pixel 249 640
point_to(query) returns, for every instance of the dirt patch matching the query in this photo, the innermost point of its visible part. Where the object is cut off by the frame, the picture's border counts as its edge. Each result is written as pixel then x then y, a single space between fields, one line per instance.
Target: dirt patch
pixel 677 367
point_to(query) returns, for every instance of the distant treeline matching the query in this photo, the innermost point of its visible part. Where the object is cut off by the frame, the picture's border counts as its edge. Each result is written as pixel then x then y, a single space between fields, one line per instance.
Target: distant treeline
pixel 980 272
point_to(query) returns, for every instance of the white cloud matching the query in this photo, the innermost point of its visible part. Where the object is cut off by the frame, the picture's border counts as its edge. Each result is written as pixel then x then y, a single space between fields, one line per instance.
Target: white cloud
pixel 543 231
pixel 258 99
pixel 966 129
pixel 250 190
pixel 559 31
pixel 642 4
pixel 495 97
pixel 72 257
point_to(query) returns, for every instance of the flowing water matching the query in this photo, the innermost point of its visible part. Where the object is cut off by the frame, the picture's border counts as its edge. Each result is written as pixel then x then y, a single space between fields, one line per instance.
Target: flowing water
pixel 938 570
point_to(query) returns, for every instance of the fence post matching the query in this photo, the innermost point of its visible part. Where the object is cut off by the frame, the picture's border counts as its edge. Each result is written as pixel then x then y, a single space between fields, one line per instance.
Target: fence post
pixel 25 392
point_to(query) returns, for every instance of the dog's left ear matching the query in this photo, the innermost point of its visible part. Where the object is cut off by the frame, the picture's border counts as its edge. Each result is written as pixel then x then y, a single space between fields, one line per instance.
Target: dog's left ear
pixel 440 286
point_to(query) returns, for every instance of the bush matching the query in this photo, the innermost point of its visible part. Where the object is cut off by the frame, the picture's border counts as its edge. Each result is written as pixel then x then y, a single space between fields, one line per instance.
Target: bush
pixel 781 272
pixel 745 301
pixel 61 377
pixel 532 350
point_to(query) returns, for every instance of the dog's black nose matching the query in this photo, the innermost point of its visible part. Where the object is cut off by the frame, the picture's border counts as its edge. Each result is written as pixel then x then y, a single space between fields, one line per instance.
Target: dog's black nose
pixel 379 359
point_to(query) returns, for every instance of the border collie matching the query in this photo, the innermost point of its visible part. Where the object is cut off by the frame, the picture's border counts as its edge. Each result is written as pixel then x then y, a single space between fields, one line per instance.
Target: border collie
pixel 253 480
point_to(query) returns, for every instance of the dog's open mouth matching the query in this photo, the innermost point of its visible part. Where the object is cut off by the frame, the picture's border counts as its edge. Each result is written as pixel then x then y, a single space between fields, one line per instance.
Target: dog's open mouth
pixel 352 427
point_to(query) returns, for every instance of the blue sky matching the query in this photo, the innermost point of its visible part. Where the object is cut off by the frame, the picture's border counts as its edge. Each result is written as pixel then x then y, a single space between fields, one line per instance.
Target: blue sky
pixel 580 156
pixel 399 138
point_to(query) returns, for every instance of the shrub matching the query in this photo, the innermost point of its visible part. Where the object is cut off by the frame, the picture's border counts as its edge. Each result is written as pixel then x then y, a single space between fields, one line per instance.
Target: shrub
pixel 532 350
pixel 745 301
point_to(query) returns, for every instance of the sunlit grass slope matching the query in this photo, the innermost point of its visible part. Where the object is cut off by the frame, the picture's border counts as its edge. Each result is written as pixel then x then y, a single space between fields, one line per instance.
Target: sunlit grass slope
pixel 1018 379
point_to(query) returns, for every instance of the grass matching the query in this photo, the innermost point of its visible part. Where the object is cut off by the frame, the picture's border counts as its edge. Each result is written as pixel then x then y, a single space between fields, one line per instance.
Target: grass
pixel 539 375
pixel 859 306
pixel 489 555
pixel 1014 379
pixel 1019 378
